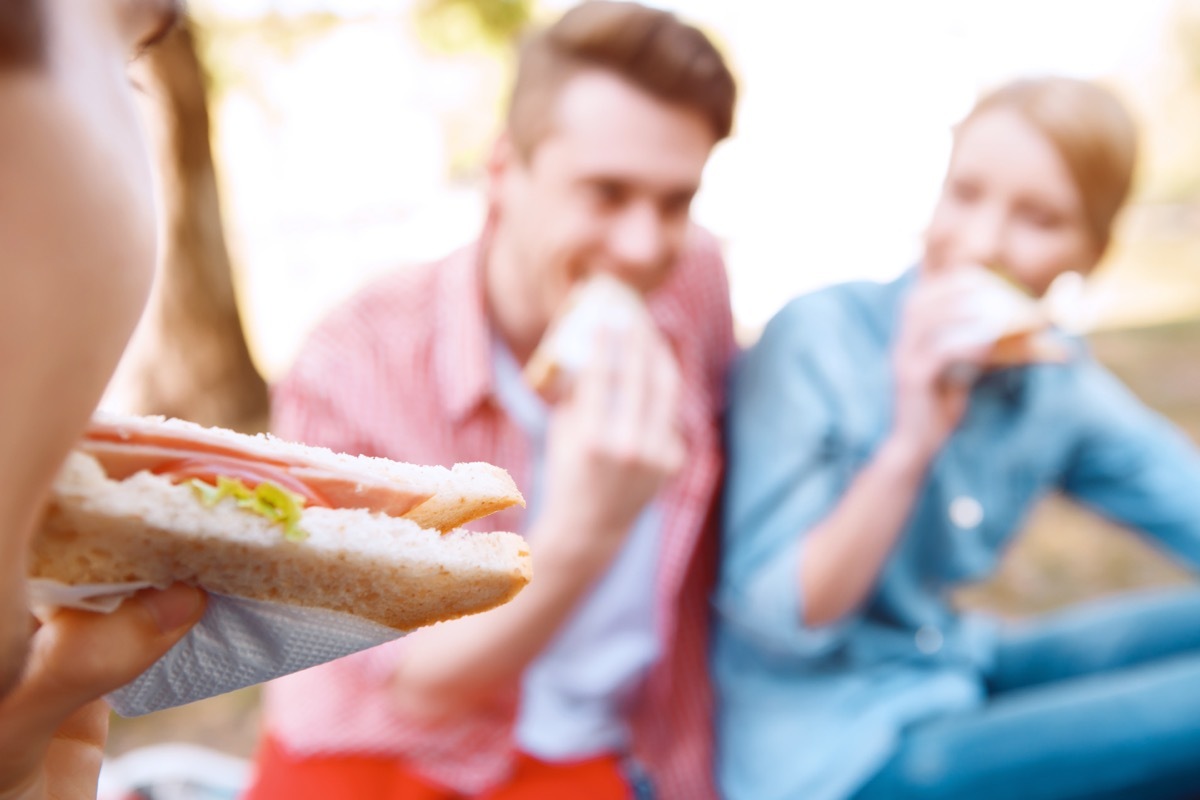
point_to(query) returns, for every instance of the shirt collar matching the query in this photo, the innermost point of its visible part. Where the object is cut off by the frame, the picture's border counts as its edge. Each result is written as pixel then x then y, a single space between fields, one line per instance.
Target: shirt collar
pixel 514 395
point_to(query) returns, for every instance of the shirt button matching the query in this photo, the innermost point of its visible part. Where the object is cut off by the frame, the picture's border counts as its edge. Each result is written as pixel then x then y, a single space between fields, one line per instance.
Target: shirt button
pixel 928 639
pixel 966 512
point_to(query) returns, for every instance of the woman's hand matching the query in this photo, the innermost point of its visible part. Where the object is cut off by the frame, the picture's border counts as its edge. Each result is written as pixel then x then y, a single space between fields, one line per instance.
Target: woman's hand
pixel 935 361
pixel 53 725
pixel 933 368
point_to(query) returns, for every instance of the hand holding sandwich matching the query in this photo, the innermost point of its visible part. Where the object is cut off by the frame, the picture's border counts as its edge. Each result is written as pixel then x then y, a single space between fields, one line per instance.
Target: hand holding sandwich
pixel 613 442
pixel 53 725
pixel 956 325
pixel 933 365
pixel 953 326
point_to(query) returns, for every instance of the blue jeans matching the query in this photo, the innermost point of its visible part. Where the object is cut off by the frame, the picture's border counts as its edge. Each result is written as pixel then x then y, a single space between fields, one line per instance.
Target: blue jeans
pixel 1099 701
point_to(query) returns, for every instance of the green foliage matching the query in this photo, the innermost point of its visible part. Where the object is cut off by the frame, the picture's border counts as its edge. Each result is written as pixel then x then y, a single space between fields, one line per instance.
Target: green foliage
pixel 233 49
pixel 1187 38
pixel 1170 112
pixel 455 26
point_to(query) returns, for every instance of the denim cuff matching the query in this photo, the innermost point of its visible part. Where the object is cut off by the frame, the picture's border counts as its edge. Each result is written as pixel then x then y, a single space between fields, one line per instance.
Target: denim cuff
pixel 771 610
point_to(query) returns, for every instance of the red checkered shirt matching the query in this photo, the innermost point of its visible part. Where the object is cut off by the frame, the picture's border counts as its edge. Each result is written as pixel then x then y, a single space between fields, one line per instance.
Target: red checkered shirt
pixel 404 371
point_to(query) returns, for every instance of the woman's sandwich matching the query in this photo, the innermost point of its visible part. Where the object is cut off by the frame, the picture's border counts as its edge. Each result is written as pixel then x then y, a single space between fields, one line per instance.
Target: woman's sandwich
pixel 153 500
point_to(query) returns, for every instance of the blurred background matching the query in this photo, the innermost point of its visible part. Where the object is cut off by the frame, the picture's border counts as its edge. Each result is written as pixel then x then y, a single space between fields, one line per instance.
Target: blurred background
pixel 307 145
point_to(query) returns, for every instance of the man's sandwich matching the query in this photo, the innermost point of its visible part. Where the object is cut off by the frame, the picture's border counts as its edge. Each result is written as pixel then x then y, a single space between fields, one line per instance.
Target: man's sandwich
pixel 158 501
pixel 598 302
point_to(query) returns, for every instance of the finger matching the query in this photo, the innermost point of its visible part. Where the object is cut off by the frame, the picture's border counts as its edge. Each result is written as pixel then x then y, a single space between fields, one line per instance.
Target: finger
pixel 922 318
pixel 631 390
pixel 15 632
pixel 76 752
pixel 934 292
pixel 940 302
pixel 588 404
pixel 957 350
pixel 79 656
pixel 960 373
pixel 673 453
pixel 955 329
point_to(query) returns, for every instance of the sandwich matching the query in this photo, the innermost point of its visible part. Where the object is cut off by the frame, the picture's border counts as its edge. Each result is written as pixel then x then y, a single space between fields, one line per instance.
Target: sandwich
pixel 147 500
pixel 1018 327
pixel 595 303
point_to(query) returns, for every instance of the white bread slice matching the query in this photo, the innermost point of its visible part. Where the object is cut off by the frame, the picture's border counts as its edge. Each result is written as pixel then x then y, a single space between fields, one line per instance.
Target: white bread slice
pixel 381 568
pixel 1015 324
pixel 458 495
pixel 598 301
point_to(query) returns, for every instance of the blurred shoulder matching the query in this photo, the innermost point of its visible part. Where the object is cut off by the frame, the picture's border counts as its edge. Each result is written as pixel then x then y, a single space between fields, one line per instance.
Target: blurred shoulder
pixel 397 312
pixel 834 314
pixel 387 325
pixel 396 305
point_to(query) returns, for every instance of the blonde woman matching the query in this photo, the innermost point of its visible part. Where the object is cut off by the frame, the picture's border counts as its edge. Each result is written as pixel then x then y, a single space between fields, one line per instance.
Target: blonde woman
pixel 876 461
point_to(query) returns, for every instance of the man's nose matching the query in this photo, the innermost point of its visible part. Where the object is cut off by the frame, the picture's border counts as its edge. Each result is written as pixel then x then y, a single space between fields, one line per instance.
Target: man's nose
pixel 638 241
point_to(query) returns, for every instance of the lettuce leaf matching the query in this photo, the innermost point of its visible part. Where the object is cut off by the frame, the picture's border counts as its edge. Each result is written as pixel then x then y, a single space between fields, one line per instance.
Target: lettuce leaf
pixel 266 499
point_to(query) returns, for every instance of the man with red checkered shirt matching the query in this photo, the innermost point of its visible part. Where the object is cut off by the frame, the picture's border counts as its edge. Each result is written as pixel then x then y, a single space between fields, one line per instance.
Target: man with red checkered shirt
pixel 592 682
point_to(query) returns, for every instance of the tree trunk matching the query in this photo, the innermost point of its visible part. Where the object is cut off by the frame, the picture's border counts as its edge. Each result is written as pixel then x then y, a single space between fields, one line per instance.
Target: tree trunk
pixel 189 358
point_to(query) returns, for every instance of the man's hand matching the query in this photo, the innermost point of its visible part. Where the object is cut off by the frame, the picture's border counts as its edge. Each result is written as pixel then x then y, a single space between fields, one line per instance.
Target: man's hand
pixel 613 444
pixel 53 725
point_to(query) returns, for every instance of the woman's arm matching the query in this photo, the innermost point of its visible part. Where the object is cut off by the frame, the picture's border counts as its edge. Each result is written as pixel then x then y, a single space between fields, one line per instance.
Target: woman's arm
pixel 800 534
pixel 845 552
pixel 1134 466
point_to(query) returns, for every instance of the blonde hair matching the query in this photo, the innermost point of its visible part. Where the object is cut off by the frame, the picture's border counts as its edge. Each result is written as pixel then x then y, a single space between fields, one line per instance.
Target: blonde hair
pixel 1092 132
pixel 651 49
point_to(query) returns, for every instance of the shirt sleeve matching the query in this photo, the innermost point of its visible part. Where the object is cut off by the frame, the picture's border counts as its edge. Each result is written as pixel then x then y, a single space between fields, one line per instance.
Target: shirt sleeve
pixel 1135 467
pixel 786 472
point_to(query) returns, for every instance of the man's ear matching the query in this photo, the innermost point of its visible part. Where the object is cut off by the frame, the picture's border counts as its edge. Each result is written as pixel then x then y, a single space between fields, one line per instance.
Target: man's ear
pixel 501 161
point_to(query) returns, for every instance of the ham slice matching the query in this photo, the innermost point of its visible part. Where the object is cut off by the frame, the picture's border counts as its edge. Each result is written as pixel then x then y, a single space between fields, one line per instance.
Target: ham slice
pixel 126 449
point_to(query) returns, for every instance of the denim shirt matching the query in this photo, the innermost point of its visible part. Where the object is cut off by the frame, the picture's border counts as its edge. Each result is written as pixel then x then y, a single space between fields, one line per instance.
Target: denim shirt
pixel 812 713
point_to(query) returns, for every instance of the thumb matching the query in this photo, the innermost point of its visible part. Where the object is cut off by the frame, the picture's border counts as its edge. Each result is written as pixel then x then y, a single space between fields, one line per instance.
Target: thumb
pixel 78 656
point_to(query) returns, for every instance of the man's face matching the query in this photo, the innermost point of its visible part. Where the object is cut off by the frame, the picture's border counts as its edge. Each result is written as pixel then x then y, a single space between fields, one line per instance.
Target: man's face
pixel 609 189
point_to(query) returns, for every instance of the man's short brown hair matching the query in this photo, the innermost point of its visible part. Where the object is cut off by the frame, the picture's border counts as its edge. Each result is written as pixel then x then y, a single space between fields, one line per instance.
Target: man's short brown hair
pixel 649 48
pixel 22 33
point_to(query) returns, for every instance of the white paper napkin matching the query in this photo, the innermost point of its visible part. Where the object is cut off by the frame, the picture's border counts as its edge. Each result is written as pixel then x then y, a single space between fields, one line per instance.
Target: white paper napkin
pixel 237 643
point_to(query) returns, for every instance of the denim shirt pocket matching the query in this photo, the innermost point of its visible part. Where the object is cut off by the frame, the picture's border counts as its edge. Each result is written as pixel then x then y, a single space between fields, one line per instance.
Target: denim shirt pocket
pixel 1016 490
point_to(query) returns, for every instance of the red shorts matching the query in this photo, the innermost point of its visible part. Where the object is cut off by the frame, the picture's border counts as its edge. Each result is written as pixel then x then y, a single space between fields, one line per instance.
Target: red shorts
pixel 279 776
